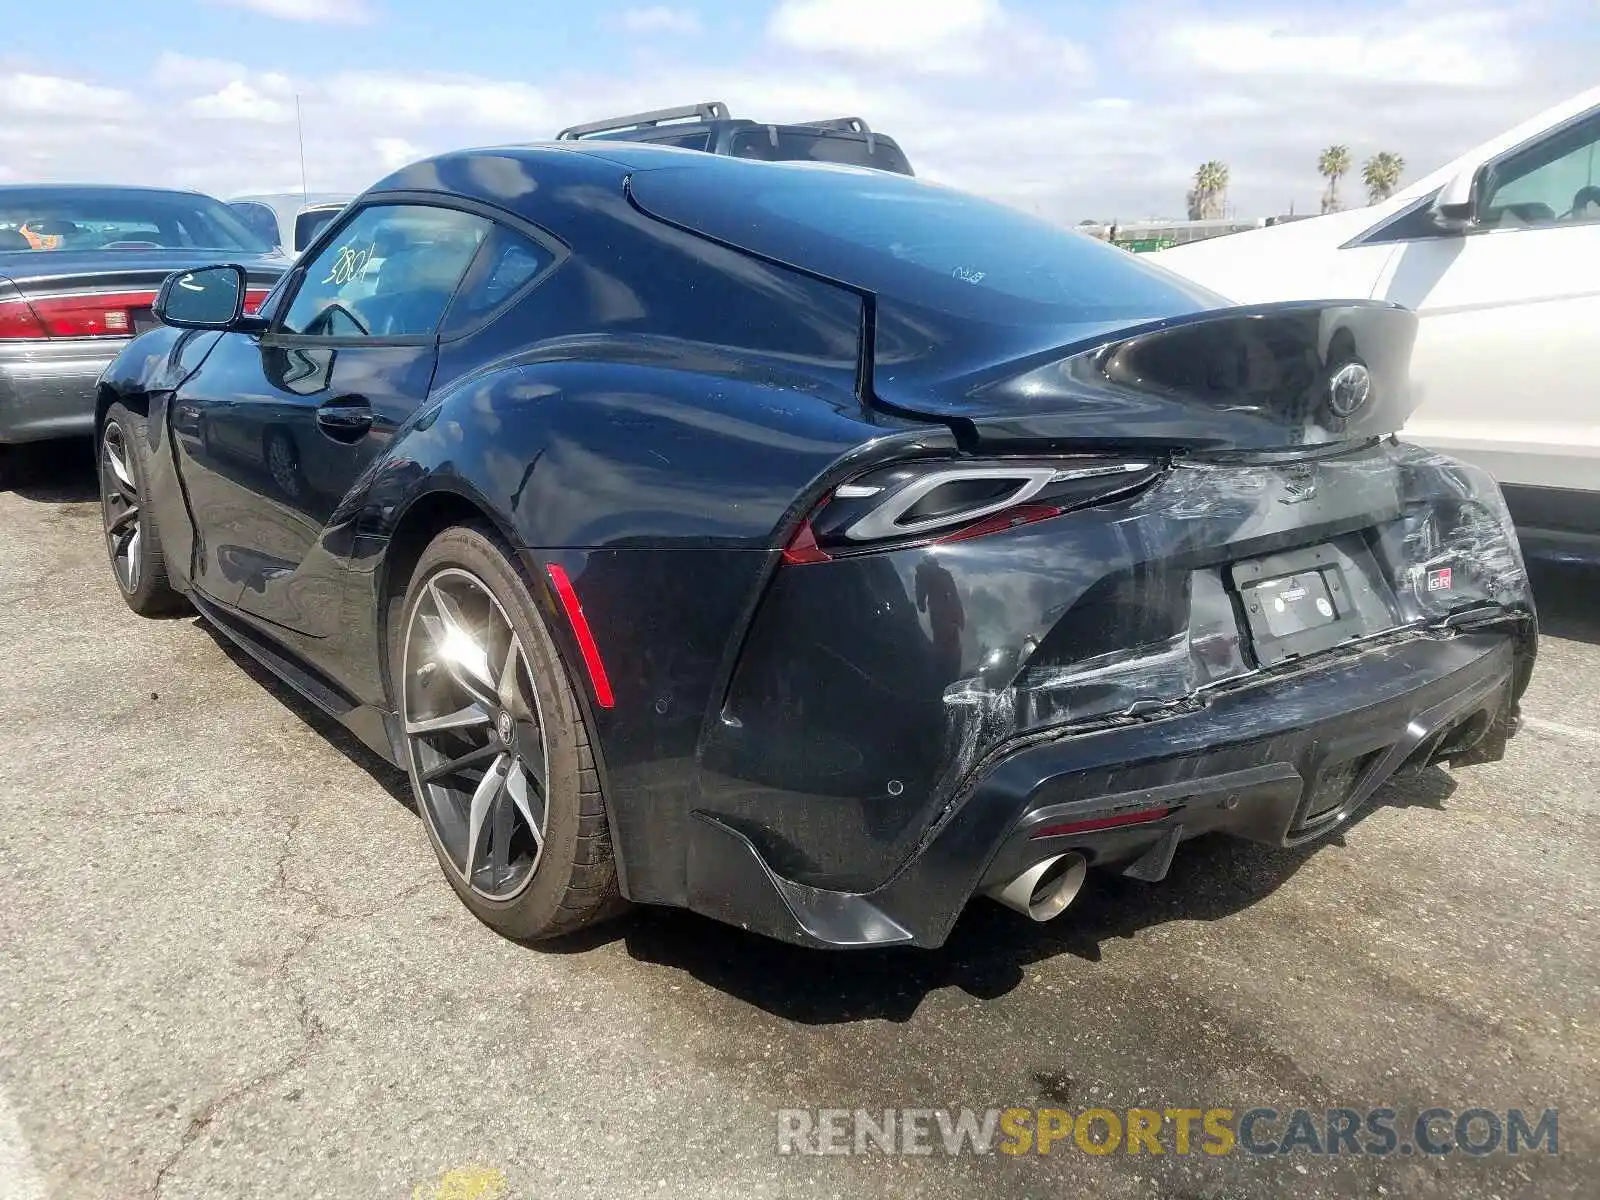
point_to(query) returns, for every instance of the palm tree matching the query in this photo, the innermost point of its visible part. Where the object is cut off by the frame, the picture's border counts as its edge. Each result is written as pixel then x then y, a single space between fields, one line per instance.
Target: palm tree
pixel 1333 164
pixel 1206 198
pixel 1382 175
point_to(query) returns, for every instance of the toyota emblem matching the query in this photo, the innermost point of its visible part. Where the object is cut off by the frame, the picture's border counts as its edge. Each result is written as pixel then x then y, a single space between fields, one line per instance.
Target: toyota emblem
pixel 1349 389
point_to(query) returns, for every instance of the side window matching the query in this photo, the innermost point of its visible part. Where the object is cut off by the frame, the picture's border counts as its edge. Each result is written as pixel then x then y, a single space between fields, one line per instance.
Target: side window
pixel 1556 181
pixel 504 265
pixel 390 272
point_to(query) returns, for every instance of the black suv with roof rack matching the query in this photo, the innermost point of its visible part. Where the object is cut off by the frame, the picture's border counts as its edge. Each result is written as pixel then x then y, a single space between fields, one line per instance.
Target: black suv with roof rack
pixel 710 127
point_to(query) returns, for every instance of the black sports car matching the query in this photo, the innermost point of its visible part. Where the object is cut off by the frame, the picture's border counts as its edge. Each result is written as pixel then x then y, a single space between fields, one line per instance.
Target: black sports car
pixel 811 547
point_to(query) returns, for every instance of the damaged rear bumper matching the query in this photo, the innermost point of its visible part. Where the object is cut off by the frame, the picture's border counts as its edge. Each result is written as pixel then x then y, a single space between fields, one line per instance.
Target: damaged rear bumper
pixel 1282 758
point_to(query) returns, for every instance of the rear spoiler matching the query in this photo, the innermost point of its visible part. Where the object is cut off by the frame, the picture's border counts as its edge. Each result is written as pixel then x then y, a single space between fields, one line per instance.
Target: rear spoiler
pixel 1270 376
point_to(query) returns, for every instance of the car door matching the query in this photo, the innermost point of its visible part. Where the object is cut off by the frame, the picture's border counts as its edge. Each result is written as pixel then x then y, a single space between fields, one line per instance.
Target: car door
pixel 277 426
pixel 1508 348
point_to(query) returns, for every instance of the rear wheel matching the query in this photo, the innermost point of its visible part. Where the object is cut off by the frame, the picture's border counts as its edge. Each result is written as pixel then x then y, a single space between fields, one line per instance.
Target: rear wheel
pixel 497 749
pixel 132 543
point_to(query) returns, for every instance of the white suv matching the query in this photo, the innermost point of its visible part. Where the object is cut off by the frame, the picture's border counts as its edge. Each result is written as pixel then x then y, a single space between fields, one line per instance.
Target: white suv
pixel 1499 254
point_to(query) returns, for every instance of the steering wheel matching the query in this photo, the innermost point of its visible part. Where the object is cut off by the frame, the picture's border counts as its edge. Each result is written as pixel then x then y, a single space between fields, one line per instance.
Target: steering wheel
pixel 131 245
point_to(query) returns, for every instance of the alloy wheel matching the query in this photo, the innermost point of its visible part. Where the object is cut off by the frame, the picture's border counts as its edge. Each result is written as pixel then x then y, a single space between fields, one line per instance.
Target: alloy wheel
pixel 475 734
pixel 120 506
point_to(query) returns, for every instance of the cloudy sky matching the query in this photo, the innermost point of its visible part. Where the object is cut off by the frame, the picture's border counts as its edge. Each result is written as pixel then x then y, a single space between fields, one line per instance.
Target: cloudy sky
pixel 1067 108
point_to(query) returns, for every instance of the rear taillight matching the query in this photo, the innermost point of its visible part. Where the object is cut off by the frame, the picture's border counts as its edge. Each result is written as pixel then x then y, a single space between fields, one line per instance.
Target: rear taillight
pixel 18 320
pixel 87 314
pixel 945 501
pixel 84 314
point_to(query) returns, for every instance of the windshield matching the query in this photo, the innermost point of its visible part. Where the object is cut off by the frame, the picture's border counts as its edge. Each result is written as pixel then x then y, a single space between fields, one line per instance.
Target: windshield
pixel 920 244
pixel 86 219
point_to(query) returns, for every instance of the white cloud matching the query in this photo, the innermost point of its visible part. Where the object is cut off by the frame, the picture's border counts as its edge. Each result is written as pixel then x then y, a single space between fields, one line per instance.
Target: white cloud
pixel 395 152
pixel 24 95
pixel 239 101
pixel 1025 129
pixel 951 37
pixel 908 29
pixel 332 12
pixel 658 18
pixel 1463 48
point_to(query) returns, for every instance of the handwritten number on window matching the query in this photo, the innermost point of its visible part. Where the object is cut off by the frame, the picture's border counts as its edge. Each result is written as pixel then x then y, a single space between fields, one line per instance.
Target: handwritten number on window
pixel 349 265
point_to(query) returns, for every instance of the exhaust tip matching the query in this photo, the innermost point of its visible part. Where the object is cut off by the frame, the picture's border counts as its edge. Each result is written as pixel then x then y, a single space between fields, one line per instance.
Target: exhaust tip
pixel 1045 889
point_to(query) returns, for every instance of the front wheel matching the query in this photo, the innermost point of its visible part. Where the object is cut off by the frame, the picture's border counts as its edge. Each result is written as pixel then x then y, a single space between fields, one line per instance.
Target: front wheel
pixel 132 543
pixel 497 748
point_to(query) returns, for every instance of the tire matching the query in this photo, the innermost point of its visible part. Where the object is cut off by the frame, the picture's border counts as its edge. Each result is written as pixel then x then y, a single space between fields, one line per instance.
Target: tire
pixel 465 591
pixel 122 452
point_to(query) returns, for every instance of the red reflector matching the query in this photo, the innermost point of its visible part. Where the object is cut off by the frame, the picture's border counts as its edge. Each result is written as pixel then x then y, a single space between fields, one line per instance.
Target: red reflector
pixel 1093 823
pixel 253 299
pixel 17 320
pixel 1022 514
pixel 580 628
pixel 803 548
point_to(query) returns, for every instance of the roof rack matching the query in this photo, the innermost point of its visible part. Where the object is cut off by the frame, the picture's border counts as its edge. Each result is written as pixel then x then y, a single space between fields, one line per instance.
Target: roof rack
pixel 711 110
pixel 847 124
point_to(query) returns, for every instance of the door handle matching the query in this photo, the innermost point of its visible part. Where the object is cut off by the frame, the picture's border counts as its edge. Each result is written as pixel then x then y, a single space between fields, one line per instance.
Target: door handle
pixel 345 419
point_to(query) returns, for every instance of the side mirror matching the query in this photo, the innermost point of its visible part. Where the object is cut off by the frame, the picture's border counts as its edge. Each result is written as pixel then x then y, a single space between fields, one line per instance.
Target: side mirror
pixel 207 298
pixel 1455 209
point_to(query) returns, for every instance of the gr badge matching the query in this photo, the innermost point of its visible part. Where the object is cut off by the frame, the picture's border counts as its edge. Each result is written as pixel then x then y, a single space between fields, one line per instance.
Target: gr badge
pixel 1440 580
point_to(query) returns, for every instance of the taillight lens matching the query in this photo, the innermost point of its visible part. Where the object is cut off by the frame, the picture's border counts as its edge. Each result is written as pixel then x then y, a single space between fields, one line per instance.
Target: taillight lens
pixel 86 314
pixel 18 320
pixel 942 500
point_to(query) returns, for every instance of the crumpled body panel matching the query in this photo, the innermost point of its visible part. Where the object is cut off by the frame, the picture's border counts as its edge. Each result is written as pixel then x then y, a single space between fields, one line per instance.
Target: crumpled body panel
pixel 843 743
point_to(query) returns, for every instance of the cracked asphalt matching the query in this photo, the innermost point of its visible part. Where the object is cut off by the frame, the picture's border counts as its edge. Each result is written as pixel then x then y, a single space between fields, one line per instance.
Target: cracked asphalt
pixel 229 966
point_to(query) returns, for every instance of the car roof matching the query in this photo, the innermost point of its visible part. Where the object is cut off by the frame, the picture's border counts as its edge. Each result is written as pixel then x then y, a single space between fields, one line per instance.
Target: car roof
pixel 502 174
pixel 509 177
pixel 95 189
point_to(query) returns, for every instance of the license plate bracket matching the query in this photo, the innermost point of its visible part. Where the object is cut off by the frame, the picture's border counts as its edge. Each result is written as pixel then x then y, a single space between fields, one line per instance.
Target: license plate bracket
pixel 1296 603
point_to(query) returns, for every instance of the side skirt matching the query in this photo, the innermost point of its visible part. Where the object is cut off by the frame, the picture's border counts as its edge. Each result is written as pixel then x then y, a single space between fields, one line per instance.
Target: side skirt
pixel 378 729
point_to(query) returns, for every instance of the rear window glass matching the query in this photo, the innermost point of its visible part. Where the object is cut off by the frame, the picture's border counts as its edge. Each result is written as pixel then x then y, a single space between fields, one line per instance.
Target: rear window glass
pixel 50 219
pixel 920 243
pixel 308 224
pixel 777 144
pixel 699 140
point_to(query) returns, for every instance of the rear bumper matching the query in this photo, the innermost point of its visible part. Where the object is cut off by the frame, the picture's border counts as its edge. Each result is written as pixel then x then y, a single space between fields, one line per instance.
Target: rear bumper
pixel 47 388
pixel 1282 760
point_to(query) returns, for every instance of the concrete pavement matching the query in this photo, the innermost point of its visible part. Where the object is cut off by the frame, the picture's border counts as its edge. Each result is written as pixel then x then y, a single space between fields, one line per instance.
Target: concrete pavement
pixel 229 965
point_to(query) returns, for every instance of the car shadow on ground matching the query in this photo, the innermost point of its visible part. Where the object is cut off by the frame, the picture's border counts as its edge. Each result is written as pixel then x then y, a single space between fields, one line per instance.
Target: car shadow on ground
pixel 54 472
pixel 1565 594
pixel 389 777
pixel 987 953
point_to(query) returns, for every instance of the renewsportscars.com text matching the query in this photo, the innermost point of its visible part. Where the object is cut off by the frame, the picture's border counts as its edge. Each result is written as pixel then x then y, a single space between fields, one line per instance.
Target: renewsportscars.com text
pixel 1378 1132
